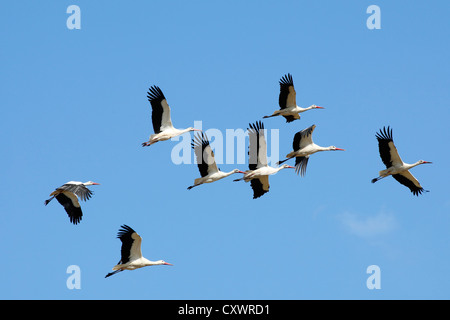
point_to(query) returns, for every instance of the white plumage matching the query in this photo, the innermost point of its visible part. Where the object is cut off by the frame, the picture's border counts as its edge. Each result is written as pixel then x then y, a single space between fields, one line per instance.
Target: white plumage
pixel 206 162
pixel 304 146
pixel 259 171
pixel 394 164
pixel 67 195
pixel 162 123
pixel 287 101
pixel 131 255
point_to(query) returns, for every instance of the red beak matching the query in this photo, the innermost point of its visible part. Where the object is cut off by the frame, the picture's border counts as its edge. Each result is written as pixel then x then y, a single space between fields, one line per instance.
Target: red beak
pixel 427 162
pixel 168 264
pixel 95 183
pixel 241 172
pixel 340 149
pixel 320 107
pixel 290 167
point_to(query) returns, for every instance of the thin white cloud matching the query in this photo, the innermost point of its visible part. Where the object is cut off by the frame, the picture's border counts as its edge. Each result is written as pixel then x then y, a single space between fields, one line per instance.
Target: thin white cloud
pixel 368 226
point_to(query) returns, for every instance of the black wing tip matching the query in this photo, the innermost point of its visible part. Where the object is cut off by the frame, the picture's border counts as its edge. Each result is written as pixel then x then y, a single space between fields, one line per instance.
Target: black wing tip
pixel 418 192
pixel 257 188
pixel 289 119
pixel 384 134
pixel 125 230
pixel 310 129
pixel 258 125
pixel 154 93
pixel 200 139
pixel 286 80
pixel 75 220
pixel 257 195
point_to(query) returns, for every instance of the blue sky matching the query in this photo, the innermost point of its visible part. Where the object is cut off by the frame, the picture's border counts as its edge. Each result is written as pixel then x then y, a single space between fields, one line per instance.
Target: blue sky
pixel 74 107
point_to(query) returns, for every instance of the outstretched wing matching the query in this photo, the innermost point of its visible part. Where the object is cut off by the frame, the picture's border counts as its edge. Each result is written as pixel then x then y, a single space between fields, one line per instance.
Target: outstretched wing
pixel 131 244
pixel 70 203
pixel 287 95
pixel 386 147
pixel 292 117
pixel 303 138
pixel 408 180
pixel 260 186
pixel 257 149
pixel 160 109
pixel 204 154
pixel 78 189
pixel 300 164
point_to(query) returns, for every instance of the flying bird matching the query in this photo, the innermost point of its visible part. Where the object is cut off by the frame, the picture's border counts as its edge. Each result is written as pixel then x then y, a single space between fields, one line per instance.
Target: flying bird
pixel 304 146
pixel 131 257
pixel 259 172
pixel 68 194
pixel 287 101
pixel 206 162
pixel 162 124
pixel 394 164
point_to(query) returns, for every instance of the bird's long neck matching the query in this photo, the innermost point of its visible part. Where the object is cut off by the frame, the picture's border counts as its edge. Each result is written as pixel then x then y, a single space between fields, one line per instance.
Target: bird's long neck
pixel 409 166
pixel 318 148
pixel 226 174
pixel 147 262
pixel 275 170
pixel 184 130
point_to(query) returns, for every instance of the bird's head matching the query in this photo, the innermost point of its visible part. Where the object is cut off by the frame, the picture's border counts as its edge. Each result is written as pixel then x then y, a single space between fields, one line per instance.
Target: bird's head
pixel 423 161
pixel 91 183
pixel 162 262
pixel 335 148
pixel 316 107
pixel 287 166
pixel 238 171
pixel 193 129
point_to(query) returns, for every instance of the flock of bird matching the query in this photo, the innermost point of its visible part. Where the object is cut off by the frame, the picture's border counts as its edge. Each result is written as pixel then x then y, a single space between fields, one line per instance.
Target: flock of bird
pixel 259 170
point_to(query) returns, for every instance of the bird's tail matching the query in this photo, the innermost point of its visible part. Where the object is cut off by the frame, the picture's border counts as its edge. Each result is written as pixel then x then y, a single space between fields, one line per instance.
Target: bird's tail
pixel 114 272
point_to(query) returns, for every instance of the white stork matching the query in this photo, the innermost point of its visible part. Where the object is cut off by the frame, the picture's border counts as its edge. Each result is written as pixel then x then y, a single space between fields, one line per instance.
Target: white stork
pixel 162 124
pixel 394 164
pixel 206 162
pixel 131 257
pixel 287 101
pixel 67 195
pixel 304 146
pixel 259 172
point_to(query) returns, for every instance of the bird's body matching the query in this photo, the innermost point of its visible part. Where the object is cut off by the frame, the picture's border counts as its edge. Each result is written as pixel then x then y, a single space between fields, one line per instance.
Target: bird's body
pixel 206 162
pixel 161 120
pixel 262 172
pixel 259 171
pixel 304 147
pixel 287 101
pixel 131 255
pixel 395 167
pixel 68 194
